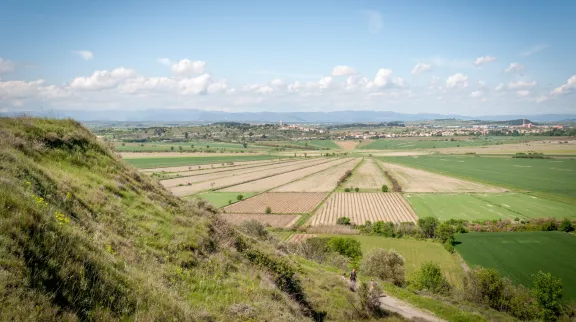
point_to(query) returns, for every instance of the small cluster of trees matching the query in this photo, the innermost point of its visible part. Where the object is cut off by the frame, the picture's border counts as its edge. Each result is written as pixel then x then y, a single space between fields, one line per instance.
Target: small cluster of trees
pixel 346 175
pixel 352 189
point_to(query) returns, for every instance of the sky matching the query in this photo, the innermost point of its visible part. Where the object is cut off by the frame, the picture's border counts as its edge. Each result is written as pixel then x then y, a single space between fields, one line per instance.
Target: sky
pixel 488 57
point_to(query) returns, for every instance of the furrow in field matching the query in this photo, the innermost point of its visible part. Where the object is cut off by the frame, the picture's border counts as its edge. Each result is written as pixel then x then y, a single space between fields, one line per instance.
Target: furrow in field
pixel 368 176
pixel 233 168
pixel 200 167
pixel 324 181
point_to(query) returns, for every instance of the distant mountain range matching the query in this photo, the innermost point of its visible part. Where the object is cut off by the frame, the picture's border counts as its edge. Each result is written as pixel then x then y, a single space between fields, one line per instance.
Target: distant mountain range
pixel 201 116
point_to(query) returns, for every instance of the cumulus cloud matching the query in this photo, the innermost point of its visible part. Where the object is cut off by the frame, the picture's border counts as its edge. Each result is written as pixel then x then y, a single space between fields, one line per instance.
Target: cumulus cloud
pixel 6 66
pixel 164 61
pixel 483 60
pixel 19 89
pixel 521 84
pixel 343 70
pixel 188 67
pixel 420 68
pixel 457 81
pixel 84 54
pixel 375 21
pixel 514 67
pixel 102 79
pixel 382 78
pixel 569 87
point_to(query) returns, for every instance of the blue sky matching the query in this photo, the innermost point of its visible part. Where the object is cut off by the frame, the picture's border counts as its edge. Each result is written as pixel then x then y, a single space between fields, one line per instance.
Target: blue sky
pixel 404 56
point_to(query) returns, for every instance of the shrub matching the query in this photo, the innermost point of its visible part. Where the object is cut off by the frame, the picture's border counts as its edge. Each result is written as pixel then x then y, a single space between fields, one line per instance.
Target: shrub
pixel 315 248
pixel 549 226
pixel 547 290
pixel 483 286
pixel 346 246
pixel 343 221
pixel 387 265
pixel 428 226
pixel 239 197
pixel 356 189
pixel 406 229
pixel 230 201
pixel 370 301
pixel 268 210
pixel 254 228
pixel 449 246
pixel 445 233
pixel 429 277
pixel 384 188
pixel 566 225
pixel 347 190
pixel 382 228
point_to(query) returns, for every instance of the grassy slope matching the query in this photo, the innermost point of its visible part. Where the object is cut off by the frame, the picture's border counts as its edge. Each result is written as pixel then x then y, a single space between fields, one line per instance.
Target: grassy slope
pixel 519 255
pixel 85 237
pixel 158 162
pixel 430 143
pixel 549 178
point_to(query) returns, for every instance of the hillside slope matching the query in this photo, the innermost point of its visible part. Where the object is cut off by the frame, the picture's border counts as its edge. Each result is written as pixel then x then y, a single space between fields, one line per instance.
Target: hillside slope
pixel 85 237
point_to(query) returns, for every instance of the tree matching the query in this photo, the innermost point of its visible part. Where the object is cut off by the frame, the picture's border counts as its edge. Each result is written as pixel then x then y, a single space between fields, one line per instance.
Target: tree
pixel 171 148
pixel 429 277
pixel 186 135
pixel 445 233
pixel 180 148
pixel 343 221
pixel 384 188
pixel 268 210
pixel 245 145
pixel 428 226
pixel 239 197
pixel 387 265
pixel 547 290
pixel 566 225
pixel 346 246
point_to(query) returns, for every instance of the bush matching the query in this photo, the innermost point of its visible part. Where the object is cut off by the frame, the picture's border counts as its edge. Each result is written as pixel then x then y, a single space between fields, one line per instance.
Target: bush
pixel 381 228
pixel 384 188
pixel 239 197
pixel 370 301
pixel 268 210
pixel 445 233
pixel 356 189
pixel 315 248
pixel 230 201
pixel 428 226
pixel 429 277
pixel 346 246
pixel 566 225
pixel 386 265
pixel 549 226
pixel 406 229
pixel 547 290
pixel 449 246
pixel 254 228
pixel 343 221
pixel 483 286
pixel 347 190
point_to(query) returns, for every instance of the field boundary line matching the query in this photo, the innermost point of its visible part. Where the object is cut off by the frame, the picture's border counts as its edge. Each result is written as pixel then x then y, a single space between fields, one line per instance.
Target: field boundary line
pixel 395 184
pixel 351 174
pixel 315 173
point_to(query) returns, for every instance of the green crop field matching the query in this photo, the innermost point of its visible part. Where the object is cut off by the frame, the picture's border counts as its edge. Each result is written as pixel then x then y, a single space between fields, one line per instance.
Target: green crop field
pixel 186 146
pixel 158 162
pixel 552 178
pixel 487 206
pixel 519 255
pixel 443 142
pixel 303 143
pixel 220 199
pixel 416 252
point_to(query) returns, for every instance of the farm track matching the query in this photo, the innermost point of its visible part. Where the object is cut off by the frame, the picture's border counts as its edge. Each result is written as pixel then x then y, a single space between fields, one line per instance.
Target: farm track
pixel 271 182
pixel 360 207
pixel 324 181
pixel 280 202
pixel 277 221
pixel 243 178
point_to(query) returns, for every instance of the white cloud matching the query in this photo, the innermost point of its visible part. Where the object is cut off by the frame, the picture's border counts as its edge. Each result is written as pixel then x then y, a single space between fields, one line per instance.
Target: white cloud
pixel 194 86
pixel 375 21
pixel 569 87
pixel 457 81
pixel 19 89
pixel 6 66
pixel 355 82
pixel 382 78
pixel 499 87
pixel 420 68
pixel 84 54
pixel 523 93
pixel 476 94
pixel 534 50
pixel 483 60
pixel 325 82
pixel 521 84
pixel 277 82
pixel 188 67
pixel 399 82
pixel 514 67
pixel 343 70
pixel 164 61
pixel 102 79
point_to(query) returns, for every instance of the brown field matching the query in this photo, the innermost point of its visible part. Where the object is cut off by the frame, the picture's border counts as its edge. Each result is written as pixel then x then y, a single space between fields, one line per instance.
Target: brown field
pixel 324 181
pixel 368 176
pixel 278 221
pixel 281 179
pixel 346 145
pixel 297 238
pixel 360 207
pixel 545 146
pixel 232 180
pixel 209 166
pixel 195 172
pixel 279 202
pixel 173 182
pixel 415 180
pixel 137 155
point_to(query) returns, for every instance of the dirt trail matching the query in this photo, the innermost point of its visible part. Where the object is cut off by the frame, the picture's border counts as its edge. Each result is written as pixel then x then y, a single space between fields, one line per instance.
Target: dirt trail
pixel 406 310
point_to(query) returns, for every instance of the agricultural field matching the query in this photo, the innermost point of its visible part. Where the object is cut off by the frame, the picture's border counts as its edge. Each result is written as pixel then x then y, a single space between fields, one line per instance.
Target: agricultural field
pixel 446 206
pixel 519 255
pixel 347 144
pixel 210 167
pixel 417 143
pixel 368 176
pixel 271 182
pixel 321 144
pixel 324 181
pixel 415 180
pixel 298 238
pixel 192 146
pixel 276 221
pixel 220 199
pixel 279 203
pixel 159 162
pixel 363 206
pixel 551 178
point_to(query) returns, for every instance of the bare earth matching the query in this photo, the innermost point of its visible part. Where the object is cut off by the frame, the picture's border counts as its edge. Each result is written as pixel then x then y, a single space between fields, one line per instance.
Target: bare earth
pixel 208 166
pixel 406 310
pixel 346 145
pixel 324 181
pixel 368 176
pixel 137 155
pixel 415 180
pixel 360 207
pixel 279 221
pixel 546 146
pixel 281 179
pixel 279 203
pixel 232 180
pixel 195 172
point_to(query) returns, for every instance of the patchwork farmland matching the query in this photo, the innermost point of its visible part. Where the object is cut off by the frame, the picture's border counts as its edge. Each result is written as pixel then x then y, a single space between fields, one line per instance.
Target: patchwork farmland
pixel 277 221
pixel 368 176
pixel 324 181
pixel 279 202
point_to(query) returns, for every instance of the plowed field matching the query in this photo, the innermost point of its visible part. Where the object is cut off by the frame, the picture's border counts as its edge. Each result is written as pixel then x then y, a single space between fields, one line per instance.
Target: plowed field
pixel 281 221
pixel 368 176
pixel 324 181
pixel 207 166
pixel 360 207
pixel 279 203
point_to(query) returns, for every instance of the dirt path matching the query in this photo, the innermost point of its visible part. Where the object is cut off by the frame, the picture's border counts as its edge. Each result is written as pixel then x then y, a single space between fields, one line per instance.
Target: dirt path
pixel 406 310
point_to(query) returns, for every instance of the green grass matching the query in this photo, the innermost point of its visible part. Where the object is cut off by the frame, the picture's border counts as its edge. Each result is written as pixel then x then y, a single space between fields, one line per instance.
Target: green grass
pixel 186 146
pixel 159 162
pixel 551 178
pixel 220 199
pixel 303 143
pixel 431 143
pixel 474 207
pixel 519 255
